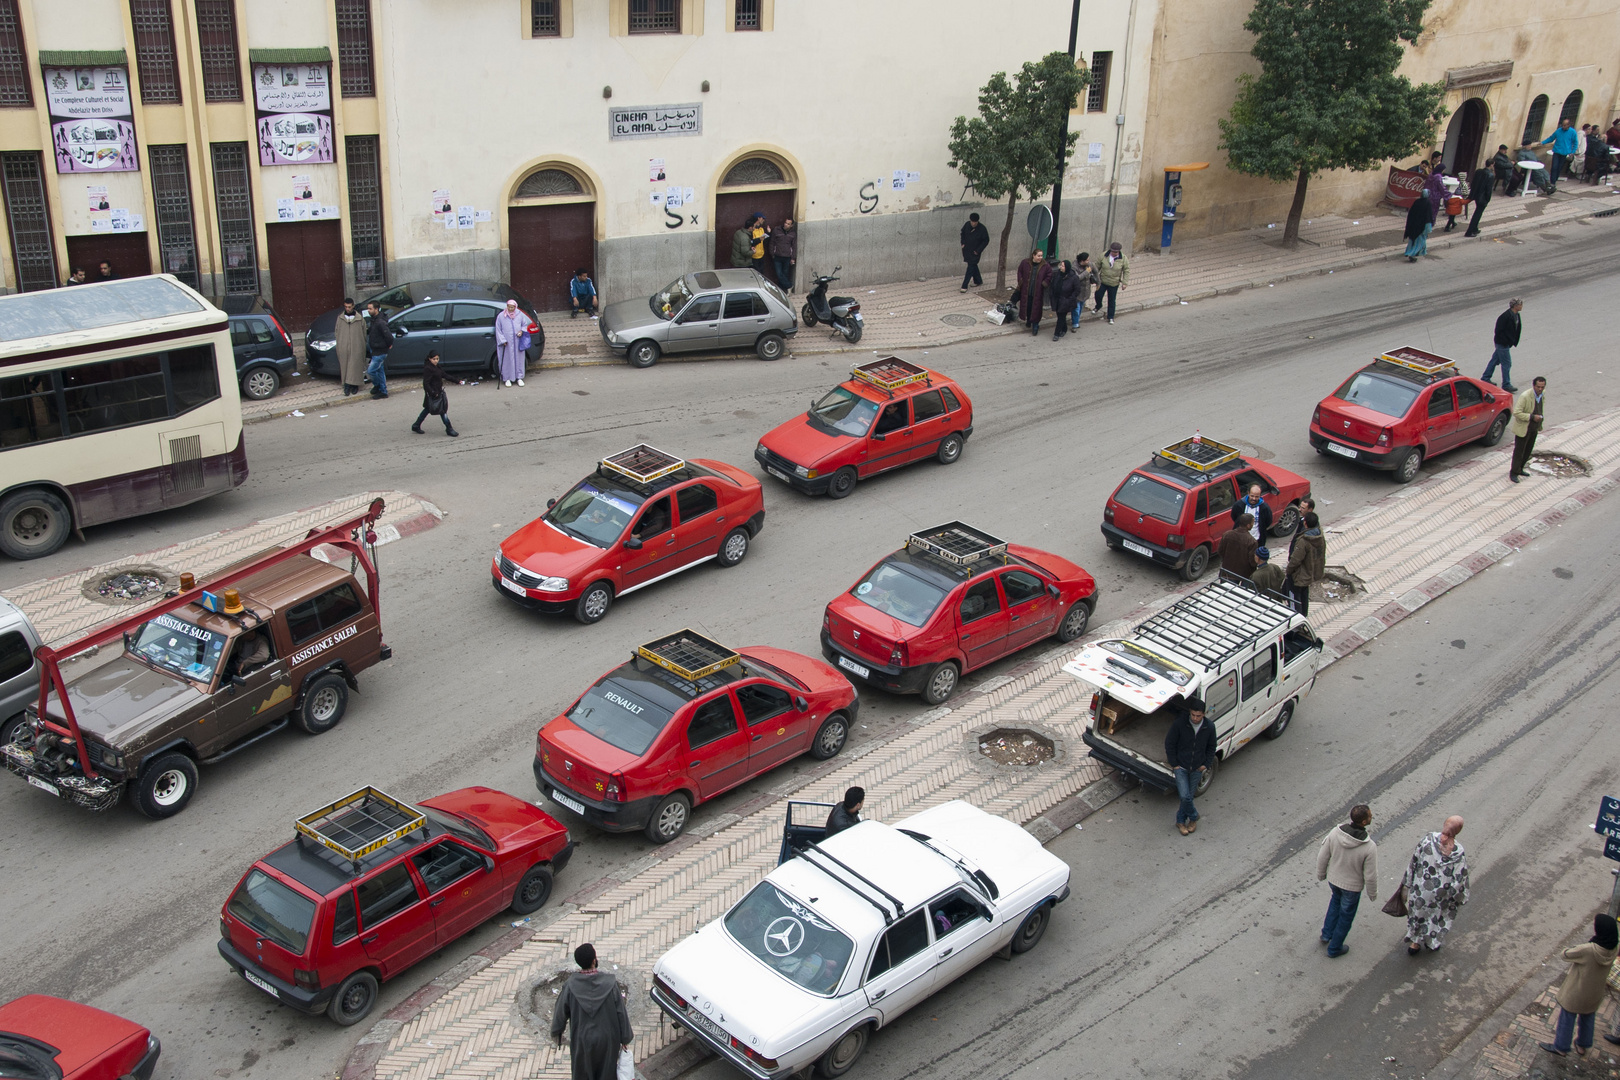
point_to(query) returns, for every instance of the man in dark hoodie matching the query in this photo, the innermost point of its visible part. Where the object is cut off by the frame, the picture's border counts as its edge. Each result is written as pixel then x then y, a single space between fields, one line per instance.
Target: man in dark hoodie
pixel 975 238
pixel 1348 862
pixel 1189 747
pixel 591 1002
pixel 846 813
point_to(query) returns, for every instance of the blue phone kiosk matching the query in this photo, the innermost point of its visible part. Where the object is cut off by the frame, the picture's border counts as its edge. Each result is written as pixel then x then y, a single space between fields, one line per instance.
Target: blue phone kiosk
pixel 1172 197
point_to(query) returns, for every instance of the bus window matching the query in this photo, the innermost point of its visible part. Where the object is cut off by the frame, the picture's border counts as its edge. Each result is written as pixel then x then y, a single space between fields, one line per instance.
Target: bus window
pixel 114 394
pixel 28 409
pixel 194 376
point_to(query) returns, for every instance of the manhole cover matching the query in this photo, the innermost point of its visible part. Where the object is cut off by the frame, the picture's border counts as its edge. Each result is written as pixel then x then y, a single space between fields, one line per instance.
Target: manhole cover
pixel 1562 466
pixel 1016 746
pixel 958 320
pixel 130 585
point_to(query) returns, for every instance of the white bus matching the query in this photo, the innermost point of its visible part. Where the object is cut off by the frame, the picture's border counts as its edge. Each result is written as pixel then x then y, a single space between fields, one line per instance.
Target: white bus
pixel 116 399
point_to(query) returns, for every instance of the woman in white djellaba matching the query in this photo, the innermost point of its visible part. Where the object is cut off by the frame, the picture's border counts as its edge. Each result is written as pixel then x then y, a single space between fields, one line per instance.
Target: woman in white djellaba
pixel 1436 886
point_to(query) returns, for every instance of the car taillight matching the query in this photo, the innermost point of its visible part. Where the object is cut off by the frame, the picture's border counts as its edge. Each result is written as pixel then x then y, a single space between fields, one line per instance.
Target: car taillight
pixel 1096 699
pixel 1108 513
pixel 277 324
pixel 1316 415
pixel 534 328
pixel 826 620
pixel 853 308
pixel 224 929
pixel 615 787
pixel 1175 540
pixel 897 655
pixel 753 1055
pixel 669 991
pixel 309 980
pixel 1383 437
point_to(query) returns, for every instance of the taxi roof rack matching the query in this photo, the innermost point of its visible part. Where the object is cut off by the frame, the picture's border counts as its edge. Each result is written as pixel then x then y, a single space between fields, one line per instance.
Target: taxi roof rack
pixel 360 823
pixel 1200 454
pixel 688 654
pixel 890 374
pixel 642 464
pixel 1424 363
pixel 957 543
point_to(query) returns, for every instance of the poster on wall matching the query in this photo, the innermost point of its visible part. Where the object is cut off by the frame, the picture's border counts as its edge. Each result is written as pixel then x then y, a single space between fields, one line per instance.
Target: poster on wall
pixel 92 127
pixel 294 106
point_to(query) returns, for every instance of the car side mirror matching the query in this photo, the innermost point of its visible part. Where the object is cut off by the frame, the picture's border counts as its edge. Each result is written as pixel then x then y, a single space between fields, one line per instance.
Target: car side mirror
pixel 399 331
pixel 989 916
pixel 489 863
pixel 633 543
pixel 550 503
pixel 880 438
pixel 1054 590
pixel 234 682
pixel 802 704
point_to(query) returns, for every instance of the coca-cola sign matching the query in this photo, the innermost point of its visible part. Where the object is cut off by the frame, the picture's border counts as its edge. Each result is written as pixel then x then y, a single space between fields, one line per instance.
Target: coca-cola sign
pixel 1404 186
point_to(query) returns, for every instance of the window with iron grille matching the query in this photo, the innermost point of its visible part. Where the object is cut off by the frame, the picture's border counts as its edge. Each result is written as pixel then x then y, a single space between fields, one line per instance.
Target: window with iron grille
pixel 365 208
pixel 747 15
pixel 154 51
pixel 15 93
pixel 543 20
pixel 1535 118
pixel 655 16
pixel 234 202
pixel 354 48
pixel 171 194
pixel 1572 108
pixel 221 66
pixel 29 220
pixel 1097 92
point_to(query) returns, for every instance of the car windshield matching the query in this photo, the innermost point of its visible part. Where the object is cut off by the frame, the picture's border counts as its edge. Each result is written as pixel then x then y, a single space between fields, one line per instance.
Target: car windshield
pixel 274 911
pixel 667 302
pixel 461 827
pixel 1370 391
pixel 1153 662
pixel 619 717
pixel 592 514
pixel 843 413
pixel 1152 497
pixel 894 592
pixel 184 648
pixel 790 939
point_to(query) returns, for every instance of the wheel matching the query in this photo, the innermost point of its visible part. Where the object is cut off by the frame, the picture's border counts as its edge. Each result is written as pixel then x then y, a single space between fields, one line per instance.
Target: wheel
pixel 941 683
pixel 11 729
pixel 733 547
pixel 594 603
pixel 354 998
pixel 1494 435
pixel 843 482
pixel 1032 929
pixel 830 737
pixel 842 1055
pixel 669 818
pixel 494 365
pixel 852 331
pixel 533 891
pixel 770 346
pixel 1406 469
pixel 1286 522
pixel 950 448
pixel 643 354
pixel 1207 778
pixel 260 383
pixel 166 786
pixel 807 314
pixel 1280 725
pixel 325 698
pixel 1074 623
pixel 1196 564
pixel 33 524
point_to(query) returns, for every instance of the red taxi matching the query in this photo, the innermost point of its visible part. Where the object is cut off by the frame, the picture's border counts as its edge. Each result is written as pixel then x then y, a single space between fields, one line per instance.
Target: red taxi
pixel 953 599
pixel 370 885
pixel 53 1039
pixel 1405 407
pixel 642 516
pixel 683 721
pixel 1174 509
pixel 887 414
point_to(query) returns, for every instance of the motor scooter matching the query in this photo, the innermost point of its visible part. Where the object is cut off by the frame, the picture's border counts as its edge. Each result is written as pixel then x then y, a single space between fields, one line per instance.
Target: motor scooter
pixel 842 313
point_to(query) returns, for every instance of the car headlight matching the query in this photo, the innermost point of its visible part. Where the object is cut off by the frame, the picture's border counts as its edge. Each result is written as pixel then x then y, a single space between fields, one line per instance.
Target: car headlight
pixel 323 346
pixel 611 335
pixel 553 584
pixel 808 474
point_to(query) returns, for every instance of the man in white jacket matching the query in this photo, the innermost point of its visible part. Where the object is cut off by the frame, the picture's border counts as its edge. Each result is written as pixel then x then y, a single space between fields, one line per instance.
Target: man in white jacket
pixel 1348 861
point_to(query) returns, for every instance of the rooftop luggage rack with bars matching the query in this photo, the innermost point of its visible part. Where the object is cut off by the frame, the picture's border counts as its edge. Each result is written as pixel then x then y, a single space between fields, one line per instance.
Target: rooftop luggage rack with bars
pixel 1215 622
pixel 890 374
pixel 957 543
pixel 688 654
pixel 1199 453
pixel 1424 363
pixel 642 463
pixel 360 823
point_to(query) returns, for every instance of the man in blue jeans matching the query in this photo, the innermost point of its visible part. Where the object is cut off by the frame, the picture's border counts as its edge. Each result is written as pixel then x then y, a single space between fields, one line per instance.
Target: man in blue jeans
pixel 1566 140
pixel 1508 326
pixel 582 294
pixel 1348 861
pixel 379 339
pixel 1189 747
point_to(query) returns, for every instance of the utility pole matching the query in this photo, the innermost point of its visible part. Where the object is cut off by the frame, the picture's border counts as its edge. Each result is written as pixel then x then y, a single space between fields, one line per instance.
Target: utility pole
pixel 1063 143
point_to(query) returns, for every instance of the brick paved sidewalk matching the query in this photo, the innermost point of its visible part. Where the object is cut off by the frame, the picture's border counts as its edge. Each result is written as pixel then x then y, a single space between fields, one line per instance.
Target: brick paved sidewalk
pixel 1516 1051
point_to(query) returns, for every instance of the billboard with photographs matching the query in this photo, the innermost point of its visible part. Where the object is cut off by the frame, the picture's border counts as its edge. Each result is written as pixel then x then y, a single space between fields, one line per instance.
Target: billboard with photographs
pixel 294 106
pixel 92 126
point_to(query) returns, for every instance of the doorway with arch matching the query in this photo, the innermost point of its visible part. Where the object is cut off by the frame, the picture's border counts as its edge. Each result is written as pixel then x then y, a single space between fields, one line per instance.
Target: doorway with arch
pixel 755 182
pixel 551 233
pixel 1465 137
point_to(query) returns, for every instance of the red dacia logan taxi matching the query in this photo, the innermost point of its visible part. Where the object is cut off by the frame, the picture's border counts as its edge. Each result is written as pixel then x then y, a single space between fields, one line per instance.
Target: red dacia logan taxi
pixel 889 413
pixel 684 720
pixel 54 1039
pixel 370 885
pixel 1405 407
pixel 953 599
pixel 642 516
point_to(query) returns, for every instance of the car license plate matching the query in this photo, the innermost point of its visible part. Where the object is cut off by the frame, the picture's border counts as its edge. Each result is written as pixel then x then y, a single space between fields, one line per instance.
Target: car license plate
pixel 849 665
pixel 1138 548
pixel 514 587
pixel 1342 451
pixel 562 800
pixel 708 1025
pixel 779 474
pixel 261 984
pixel 43 786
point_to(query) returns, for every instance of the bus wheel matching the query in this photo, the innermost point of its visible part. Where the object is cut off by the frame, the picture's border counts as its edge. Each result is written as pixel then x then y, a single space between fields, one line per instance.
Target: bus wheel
pixel 33 524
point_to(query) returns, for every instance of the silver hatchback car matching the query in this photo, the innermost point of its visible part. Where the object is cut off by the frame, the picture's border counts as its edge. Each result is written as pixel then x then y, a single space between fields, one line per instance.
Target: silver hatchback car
pixel 699 312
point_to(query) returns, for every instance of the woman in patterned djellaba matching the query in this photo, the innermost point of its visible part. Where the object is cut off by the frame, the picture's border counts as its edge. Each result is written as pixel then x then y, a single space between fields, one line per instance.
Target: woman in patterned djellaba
pixel 1436 886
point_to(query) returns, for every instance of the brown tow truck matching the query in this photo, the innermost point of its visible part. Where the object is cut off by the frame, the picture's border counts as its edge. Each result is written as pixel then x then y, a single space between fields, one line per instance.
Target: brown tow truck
pixel 273 640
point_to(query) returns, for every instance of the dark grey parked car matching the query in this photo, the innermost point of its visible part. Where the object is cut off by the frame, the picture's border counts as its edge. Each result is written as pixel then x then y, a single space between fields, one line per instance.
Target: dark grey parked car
pixel 700 312
pixel 457 318
pixel 264 352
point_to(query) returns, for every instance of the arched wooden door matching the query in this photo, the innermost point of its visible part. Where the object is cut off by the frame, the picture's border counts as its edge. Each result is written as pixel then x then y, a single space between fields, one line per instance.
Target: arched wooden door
pixel 551 232
pixel 1465 136
pixel 753 184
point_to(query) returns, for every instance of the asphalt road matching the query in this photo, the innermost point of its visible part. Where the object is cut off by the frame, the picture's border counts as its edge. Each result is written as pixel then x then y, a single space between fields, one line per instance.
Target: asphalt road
pixel 122 913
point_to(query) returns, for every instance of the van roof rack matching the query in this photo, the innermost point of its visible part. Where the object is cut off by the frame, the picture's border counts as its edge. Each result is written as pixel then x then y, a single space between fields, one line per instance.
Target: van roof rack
pixel 688 654
pixel 642 463
pixel 1199 454
pixel 957 543
pixel 1214 623
pixel 1424 363
pixel 360 823
pixel 890 374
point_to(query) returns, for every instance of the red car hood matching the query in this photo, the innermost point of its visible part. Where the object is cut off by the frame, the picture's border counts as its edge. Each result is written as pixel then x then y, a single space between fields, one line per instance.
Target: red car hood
pixel 545 549
pixel 815 674
pixel 81 1033
pixel 1056 565
pixel 802 444
pixel 509 821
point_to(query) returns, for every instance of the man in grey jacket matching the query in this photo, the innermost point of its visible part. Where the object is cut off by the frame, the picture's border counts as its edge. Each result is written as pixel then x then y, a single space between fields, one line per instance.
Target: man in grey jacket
pixel 1348 861
pixel 592 1009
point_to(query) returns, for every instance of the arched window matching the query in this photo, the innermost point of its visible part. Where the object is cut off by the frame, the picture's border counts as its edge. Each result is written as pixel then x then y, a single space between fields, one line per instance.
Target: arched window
pixel 549 182
pixel 1572 108
pixel 1536 117
pixel 751 172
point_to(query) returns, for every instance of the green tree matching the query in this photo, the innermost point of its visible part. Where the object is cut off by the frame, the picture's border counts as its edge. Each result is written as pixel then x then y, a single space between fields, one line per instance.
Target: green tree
pixel 1012 145
pixel 1327 96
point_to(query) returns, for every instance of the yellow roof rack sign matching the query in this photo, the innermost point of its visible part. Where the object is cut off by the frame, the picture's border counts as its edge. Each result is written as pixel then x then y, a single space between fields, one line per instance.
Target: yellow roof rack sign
pixel 360 823
pixel 1426 362
pixel 1199 453
pixel 889 373
pixel 688 654
pixel 643 463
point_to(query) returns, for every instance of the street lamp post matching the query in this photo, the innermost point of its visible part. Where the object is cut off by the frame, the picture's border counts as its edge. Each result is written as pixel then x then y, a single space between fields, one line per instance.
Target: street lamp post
pixel 1063 143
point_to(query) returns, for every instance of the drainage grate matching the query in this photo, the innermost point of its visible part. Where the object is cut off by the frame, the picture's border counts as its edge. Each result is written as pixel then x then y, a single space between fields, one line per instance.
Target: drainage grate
pixel 958 320
pixel 1016 746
